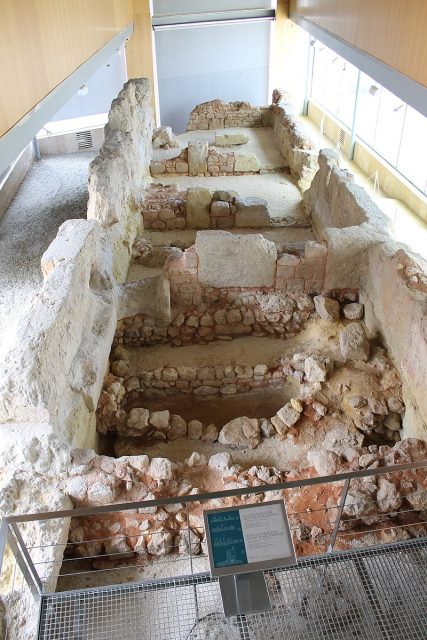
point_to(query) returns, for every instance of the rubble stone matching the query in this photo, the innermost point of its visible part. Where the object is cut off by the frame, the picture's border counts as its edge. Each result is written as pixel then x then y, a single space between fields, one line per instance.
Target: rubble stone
pixel 354 344
pixel 353 311
pixel 234 433
pixel 325 462
pixel 327 308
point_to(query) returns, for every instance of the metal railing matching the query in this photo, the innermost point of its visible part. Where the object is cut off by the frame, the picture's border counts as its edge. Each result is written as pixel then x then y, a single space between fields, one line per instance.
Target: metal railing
pixel 42 563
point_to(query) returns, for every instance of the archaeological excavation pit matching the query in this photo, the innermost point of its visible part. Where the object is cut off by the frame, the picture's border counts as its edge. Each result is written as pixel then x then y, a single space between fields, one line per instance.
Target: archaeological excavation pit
pixel 235 332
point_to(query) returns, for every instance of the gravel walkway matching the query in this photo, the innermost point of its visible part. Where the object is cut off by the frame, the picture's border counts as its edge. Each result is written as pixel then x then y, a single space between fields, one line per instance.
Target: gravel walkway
pixel 54 190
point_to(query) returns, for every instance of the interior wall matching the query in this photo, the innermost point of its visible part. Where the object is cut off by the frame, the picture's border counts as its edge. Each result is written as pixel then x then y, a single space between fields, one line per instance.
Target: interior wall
pixel 162 7
pixel 44 41
pixel 140 53
pixel 194 65
pixel 278 48
pixel 390 30
pixel 293 68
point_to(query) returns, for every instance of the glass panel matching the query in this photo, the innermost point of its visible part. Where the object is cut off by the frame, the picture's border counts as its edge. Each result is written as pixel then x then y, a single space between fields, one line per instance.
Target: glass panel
pixel 411 161
pixel 388 125
pixel 334 83
pixel 369 101
pixel 388 133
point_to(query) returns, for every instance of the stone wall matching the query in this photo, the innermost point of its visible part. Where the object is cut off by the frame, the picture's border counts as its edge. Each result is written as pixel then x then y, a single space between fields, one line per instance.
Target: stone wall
pixel 165 208
pixel 296 147
pixel 346 218
pixel 222 314
pixel 154 532
pixel 217 114
pixel 52 372
pixel 121 403
pixel 252 262
pixel 120 172
pixel 395 294
pixel 393 283
pixel 215 163
pixel 53 365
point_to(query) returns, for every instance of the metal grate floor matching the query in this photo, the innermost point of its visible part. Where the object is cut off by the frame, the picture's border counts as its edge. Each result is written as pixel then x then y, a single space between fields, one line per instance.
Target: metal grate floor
pixel 370 594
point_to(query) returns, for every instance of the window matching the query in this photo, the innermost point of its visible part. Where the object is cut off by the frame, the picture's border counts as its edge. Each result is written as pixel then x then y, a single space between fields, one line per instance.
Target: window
pixel 411 161
pixel 384 122
pixel 334 83
pixel 369 102
pixel 388 133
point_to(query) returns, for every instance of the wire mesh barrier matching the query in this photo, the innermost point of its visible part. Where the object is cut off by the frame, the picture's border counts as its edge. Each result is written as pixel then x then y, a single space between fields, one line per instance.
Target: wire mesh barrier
pixel 361 570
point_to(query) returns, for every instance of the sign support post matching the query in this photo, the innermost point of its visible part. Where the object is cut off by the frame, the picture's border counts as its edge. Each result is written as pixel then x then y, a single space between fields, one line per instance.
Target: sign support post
pixel 242 543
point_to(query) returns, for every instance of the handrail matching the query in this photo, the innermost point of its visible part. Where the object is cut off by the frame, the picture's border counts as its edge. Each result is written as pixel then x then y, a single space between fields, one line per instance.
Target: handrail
pixel 225 493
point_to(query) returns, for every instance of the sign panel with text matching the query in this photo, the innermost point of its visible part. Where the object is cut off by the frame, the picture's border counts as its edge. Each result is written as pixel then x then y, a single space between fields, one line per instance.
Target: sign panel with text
pixel 248 538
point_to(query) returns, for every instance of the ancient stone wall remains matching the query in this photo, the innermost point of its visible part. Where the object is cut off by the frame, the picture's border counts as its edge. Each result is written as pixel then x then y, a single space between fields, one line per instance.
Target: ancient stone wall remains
pixel 395 295
pixel 392 282
pixel 165 208
pixel 222 314
pixel 298 151
pixel 52 373
pixel 295 146
pixel 120 172
pixel 347 219
pixel 215 163
pixel 199 272
pixel 217 114
pixel 156 532
pixel 54 361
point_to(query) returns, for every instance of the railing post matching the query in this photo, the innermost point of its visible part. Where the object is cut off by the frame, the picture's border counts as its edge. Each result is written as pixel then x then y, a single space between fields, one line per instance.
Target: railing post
pixel 24 560
pixel 339 514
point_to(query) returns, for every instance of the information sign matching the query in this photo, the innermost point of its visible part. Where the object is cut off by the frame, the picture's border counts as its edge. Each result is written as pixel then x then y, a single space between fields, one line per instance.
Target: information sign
pixel 248 538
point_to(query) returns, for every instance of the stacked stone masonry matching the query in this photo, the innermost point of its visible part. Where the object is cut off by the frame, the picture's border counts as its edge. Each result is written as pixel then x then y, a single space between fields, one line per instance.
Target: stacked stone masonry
pixel 217 114
pixel 223 315
pixel 165 208
pixel 217 164
pixel 296 147
pixel 302 271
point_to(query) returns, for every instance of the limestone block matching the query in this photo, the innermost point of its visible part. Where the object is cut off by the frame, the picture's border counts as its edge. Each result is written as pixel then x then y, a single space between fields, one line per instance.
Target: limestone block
pixel 150 296
pixel 353 311
pixel 246 163
pixel 178 428
pixel 241 432
pixel 163 137
pixel 160 420
pixel 354 344
pixel 252 212
pixel 230 139
pixel 289 414
pixel 197 158
pixel 198 208
pixel 216 123
pixel 161 469
pixel 225 196
pixel 195 429
pixel 138 419
pixel 325 462
pixel 220 208
pixel 313 249
pixel 221 461
pixel 250 260
pixel 327 308
pixel 315 368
